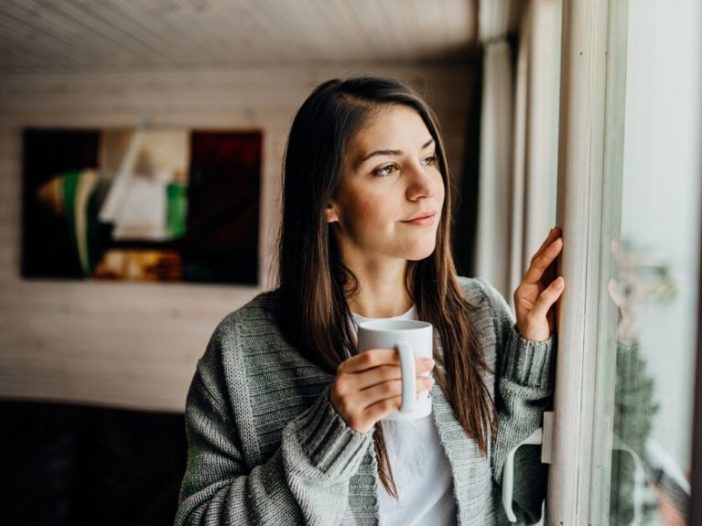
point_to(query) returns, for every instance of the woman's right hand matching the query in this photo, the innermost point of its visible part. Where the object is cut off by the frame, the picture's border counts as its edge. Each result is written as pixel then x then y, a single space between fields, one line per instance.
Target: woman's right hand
pixel 368 386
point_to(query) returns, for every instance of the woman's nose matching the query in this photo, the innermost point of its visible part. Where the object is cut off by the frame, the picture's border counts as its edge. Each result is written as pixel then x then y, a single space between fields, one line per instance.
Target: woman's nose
pixel 421 183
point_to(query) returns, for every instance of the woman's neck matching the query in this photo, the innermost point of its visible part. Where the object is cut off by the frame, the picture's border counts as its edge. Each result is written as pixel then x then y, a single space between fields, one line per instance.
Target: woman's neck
pixel 382 290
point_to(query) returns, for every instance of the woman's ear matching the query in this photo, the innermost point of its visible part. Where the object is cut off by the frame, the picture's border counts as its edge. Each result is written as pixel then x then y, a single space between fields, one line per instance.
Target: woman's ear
pixel 330 214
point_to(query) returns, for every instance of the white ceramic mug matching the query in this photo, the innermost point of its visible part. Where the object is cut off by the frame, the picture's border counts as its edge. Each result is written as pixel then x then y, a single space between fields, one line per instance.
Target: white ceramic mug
pixel 411 339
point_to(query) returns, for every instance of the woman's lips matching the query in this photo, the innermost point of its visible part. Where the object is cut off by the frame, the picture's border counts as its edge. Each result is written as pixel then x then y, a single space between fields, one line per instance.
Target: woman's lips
pixel 424 220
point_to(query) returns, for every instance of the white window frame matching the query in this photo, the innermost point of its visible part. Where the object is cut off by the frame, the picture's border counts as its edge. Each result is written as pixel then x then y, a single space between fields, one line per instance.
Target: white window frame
pixel 593 61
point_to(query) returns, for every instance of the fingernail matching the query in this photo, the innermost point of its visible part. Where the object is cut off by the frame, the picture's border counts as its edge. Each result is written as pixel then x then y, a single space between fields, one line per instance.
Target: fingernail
pixel 558 283
pixel 428 361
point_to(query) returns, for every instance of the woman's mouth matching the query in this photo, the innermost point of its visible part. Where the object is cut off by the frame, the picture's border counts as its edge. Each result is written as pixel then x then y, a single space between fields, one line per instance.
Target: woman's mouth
pixel 422 219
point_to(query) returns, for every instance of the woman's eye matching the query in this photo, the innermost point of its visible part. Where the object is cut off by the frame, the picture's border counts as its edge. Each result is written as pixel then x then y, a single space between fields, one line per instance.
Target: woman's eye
pixel 430 160
pixel 384 170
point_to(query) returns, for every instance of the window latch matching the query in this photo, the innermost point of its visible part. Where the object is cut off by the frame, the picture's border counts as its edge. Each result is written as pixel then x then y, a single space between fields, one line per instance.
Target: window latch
pixel 543 436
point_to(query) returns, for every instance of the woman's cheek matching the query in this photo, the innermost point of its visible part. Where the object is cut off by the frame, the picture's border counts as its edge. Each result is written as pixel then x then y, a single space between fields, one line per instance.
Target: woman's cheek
pixel 363 221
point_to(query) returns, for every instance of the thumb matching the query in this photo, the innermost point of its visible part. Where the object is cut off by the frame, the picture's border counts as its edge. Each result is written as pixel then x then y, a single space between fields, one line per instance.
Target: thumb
pixel 547 298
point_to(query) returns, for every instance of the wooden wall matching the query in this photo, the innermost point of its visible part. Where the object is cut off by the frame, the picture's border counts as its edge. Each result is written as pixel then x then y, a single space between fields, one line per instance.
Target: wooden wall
pixel 136 345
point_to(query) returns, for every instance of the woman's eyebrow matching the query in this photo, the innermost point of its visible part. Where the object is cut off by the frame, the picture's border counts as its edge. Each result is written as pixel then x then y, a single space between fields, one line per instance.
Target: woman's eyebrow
pixel 389 152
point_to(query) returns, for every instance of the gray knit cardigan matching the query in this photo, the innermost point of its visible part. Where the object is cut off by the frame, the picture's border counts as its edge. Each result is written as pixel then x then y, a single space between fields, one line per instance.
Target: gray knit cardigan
pixel 265 445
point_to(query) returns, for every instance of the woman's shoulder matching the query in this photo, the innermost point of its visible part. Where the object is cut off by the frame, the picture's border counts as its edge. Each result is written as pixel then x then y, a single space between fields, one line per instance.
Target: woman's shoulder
pixel 475 290
pixel 258 313
pixel 486 294
pixel 249 336
pixel 245 329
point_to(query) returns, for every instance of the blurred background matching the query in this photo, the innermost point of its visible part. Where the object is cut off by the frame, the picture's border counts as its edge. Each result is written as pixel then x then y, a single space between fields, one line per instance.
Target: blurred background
pixel 141 145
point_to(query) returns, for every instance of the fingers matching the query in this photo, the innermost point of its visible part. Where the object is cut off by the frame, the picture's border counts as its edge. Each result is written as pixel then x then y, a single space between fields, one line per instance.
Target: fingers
pixel 375 375
pixel 369 359
pixel 376 358
pixel 547 298
pixel 383 399
pixel 553 234
pixel 392 388
pixel 542 259
pixel 374 379
pixel 362 409
pixel 382 374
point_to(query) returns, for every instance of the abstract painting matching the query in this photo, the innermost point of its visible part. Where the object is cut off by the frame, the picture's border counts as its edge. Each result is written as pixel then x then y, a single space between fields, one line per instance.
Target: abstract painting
pixel 141 204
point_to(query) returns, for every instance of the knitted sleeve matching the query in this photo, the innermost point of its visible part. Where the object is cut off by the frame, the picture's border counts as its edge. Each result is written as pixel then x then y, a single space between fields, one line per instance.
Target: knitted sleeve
pixel 524 389
pixel 305 481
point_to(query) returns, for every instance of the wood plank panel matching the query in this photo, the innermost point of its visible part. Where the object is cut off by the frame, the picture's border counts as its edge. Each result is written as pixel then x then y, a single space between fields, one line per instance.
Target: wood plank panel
pixel 75 35
pixel 136 345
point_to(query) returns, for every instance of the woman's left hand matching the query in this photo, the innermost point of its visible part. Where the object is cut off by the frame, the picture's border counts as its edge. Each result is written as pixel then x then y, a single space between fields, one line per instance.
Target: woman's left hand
pixel 538 291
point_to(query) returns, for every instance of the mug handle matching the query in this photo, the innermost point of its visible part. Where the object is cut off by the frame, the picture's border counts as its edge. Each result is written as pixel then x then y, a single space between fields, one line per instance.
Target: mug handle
pixel 409 376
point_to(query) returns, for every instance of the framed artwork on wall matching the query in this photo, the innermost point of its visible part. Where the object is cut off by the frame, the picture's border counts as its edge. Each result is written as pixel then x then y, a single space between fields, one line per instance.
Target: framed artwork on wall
pixel 142 205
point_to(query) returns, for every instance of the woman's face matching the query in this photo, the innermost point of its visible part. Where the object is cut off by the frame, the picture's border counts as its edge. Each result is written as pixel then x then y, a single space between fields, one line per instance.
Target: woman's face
pixel 391 195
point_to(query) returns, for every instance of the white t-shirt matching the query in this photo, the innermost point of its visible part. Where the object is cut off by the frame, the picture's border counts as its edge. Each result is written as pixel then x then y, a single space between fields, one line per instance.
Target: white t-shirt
pixel 420 468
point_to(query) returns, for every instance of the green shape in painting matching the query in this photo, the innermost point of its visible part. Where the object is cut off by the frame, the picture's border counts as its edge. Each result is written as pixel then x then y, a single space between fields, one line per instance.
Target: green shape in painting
pixel 177 209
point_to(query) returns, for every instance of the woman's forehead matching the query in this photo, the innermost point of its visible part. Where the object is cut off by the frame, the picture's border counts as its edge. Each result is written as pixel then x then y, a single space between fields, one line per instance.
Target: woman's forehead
pixel 395 128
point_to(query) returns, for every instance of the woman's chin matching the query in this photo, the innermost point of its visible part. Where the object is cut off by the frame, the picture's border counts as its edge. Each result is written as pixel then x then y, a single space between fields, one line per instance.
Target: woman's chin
pixel 419 253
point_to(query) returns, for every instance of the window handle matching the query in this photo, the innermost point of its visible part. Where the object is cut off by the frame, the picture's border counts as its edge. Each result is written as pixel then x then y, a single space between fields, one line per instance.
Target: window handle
pixel 638 495
pixel 542 436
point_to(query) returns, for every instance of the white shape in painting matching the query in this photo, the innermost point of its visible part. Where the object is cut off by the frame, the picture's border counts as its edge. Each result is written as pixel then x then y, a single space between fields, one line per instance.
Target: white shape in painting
pixel 110 210
pixel 143 212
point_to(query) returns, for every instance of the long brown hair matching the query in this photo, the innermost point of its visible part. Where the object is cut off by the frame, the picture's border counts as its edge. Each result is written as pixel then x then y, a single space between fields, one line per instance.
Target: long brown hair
pixel 314 283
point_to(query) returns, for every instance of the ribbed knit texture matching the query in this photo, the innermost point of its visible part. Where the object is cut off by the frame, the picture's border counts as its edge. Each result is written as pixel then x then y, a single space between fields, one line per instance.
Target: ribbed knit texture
pixel 265 445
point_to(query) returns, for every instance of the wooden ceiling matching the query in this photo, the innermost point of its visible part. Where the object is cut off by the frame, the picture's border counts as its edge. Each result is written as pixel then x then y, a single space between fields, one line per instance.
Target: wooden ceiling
pixel 123 35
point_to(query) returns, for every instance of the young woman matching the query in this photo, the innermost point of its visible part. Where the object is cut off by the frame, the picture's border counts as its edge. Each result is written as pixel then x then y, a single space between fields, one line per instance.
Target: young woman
pixel 283 416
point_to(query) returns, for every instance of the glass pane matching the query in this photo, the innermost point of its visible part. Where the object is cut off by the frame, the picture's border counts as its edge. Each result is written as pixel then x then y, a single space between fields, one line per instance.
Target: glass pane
pixel 656 257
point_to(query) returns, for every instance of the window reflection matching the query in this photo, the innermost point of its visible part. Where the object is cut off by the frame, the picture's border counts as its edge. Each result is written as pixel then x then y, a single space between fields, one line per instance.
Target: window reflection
pixel 657 267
